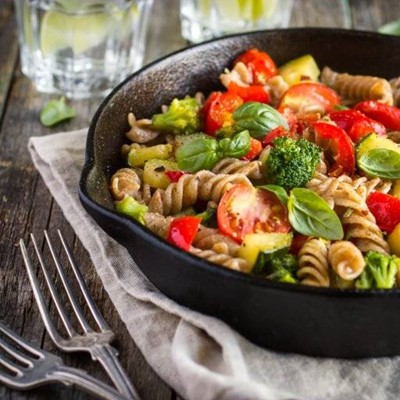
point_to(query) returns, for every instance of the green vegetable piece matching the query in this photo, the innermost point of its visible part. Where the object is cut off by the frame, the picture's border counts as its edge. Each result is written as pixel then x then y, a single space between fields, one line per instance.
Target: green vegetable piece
pixel 258 119
pixel 391 28
pixel 311 215
pixel 380 271
pixel 292 163
pixel 209 217
pixel 278 191
pixel 182 117
pixel 277 265
pixel 131 207
pixel 236 147
pixel 56 111
pixel 198 154
pixel 383 163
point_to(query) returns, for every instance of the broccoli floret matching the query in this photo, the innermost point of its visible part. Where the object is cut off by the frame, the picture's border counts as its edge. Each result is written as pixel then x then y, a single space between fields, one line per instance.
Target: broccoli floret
pixel 380 271
pixel 292 163
pixel 131 207
pixel 182 117
pixel 279 266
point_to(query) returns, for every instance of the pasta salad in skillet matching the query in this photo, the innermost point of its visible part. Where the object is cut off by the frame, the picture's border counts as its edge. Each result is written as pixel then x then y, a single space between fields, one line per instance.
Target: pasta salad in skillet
pixel 289 173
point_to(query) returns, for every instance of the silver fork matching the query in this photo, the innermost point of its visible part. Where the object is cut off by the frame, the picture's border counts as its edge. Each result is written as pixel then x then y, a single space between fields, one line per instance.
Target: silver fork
pixel 33 367
pixel 94 342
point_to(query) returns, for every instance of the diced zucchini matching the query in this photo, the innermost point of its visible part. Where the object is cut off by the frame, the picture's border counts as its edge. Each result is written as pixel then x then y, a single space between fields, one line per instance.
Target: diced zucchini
pixel 253 243
pixel 373 141
pixel 138 156
pixel 299 69
pixel 154 172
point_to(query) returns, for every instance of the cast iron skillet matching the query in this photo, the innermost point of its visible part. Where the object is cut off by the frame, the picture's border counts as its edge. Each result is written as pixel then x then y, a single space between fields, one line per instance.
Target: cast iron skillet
pixel 283 317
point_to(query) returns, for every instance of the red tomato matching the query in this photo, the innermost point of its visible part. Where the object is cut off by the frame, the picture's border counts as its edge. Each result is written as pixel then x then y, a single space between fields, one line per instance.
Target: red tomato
pixel 272 135
pixel 260 64
pixel 387 115
pixel 297 243
pixel 255 150
pixel 386 210
pixel 309 95
pixel 356 124
pixel 182 231
pixel 218 110
pixel 174 176
pixel 249 93
pixel 244 209
pixel 341 147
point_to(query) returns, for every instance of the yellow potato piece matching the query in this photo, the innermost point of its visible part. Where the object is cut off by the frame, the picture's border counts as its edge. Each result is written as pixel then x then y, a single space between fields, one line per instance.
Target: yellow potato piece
pixel 394 241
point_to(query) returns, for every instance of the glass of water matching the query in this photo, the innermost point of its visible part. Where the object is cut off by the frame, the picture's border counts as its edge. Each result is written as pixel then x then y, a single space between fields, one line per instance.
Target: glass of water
pixel 204 19
pixel 81 48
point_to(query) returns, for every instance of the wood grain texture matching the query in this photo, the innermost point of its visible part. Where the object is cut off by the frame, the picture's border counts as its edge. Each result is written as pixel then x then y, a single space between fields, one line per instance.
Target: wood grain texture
pixel 26 205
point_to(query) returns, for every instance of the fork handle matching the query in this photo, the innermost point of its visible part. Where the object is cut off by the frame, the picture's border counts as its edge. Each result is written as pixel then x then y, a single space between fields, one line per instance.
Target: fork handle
pixel 86 382
pixel 106 355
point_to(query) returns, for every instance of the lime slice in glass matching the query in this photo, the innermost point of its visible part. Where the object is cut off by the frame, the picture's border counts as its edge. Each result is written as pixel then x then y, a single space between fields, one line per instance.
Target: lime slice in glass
pixel 253 10
pixel 79 32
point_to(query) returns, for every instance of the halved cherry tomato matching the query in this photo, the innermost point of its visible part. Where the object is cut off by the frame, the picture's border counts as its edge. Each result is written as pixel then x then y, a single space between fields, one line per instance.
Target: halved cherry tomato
pixel 386 210
pixel 182 231
pixel 260 64
pixel 218 109
pixel 340 145
pixel 249 93
pixel 356 124
pixel 244 209
pixel 313 96
pixel 387 115
pixel 174 176
pixel 255 150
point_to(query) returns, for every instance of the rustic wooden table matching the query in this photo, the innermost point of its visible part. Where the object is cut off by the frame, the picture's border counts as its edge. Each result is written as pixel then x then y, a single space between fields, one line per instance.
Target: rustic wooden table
pixel 27 206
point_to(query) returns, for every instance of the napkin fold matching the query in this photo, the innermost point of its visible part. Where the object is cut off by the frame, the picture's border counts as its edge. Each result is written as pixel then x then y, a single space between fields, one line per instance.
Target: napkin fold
pixel 199 356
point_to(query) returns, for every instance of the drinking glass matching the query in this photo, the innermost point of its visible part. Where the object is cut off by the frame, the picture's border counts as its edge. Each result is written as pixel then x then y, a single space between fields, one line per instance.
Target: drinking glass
pixel 205 19
pixel 81 48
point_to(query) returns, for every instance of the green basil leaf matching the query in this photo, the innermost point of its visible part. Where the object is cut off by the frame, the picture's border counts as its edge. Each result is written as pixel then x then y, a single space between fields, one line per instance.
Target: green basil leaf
pixel 391 28
pixel 258 119
pixel 383 163
pixel 236 147
pixel 56 111
pixel 311 215
pixel 278 191
pixel 202 153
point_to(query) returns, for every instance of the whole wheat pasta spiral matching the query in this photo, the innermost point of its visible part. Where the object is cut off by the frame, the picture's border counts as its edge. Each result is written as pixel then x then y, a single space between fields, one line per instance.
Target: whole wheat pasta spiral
pixel 395 85
pixel 313 263
pixel 157 223
pixel 355 88
pixel 140 131
pixel 125 182
pixel 204 185
pixel 237 264
pixel 213 239
pixel 346 260
pixel 359 222
pixel 251 169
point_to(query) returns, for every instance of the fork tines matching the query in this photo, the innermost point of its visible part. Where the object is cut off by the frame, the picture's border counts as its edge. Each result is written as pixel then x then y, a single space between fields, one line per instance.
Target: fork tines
pixel 68 289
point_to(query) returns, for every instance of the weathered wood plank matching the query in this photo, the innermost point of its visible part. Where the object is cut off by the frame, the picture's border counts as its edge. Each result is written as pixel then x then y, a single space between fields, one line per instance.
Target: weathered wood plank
pixel 8 50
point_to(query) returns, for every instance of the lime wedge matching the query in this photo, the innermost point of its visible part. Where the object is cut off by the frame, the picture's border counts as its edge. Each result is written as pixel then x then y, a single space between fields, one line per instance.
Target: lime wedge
pixel 79 32
pixel 253 10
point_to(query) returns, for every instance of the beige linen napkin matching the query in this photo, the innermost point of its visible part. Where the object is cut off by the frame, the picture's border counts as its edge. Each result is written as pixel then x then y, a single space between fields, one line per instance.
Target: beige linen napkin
pixel 199 356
